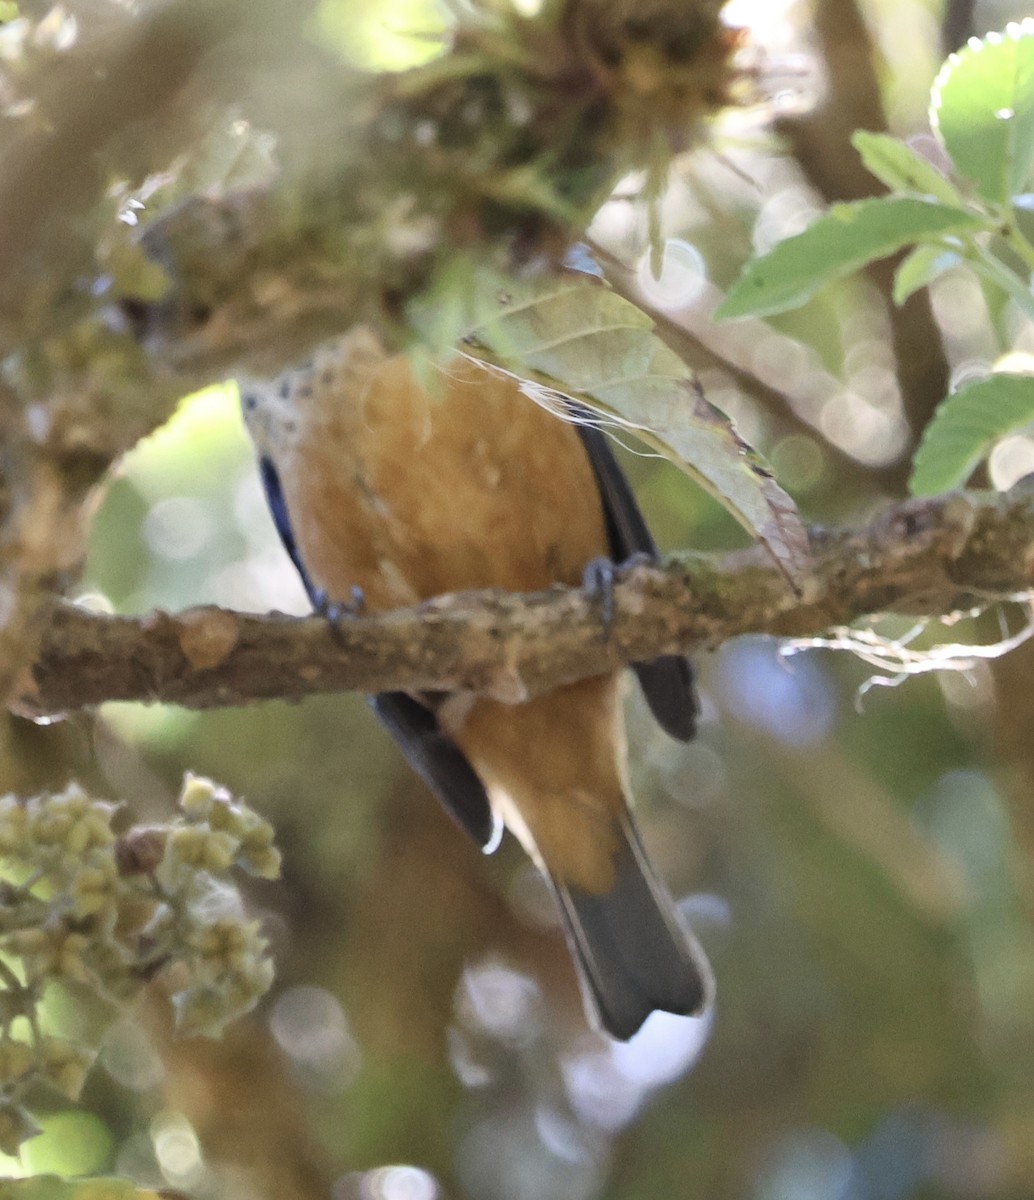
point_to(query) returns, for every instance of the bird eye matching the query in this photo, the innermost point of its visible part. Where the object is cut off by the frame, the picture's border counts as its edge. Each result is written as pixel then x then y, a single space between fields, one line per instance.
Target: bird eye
pixel 249 401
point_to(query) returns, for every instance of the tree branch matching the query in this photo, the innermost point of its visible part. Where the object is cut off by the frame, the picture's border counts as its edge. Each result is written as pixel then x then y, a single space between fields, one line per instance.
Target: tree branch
pixel 383 183
pixel 931 557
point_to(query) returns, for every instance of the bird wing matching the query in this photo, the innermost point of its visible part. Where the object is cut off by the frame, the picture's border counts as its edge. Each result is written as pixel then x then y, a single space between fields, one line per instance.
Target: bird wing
pixel 440 763
pixel 428 749
pixel 667 682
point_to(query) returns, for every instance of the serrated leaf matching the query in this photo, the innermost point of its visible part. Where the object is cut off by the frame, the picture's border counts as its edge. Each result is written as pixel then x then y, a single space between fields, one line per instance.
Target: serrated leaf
pixel 839 242
pixel 896 164
pixel 571 334
pixel 921 268
pixel 52 1187
pixel 965 428
pixel 982 107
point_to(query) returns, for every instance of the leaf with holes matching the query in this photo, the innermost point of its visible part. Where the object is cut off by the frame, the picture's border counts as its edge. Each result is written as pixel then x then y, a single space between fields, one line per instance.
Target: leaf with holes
pixel 571 334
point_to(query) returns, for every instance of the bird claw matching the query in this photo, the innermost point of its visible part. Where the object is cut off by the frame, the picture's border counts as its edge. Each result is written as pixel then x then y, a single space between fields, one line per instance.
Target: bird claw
pixel 600 577
pixel 336 611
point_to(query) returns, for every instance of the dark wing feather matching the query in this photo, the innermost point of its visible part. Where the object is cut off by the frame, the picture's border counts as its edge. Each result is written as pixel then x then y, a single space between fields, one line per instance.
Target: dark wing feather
pixel 439 762
pixel 428 749
pixel 667 682
pixel 278 509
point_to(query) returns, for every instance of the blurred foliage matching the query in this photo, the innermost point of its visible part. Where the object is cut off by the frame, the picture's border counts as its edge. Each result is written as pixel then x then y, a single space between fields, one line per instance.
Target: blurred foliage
pixel 389 36
pixel 859 873
pixel 969 213
pixel 53 1187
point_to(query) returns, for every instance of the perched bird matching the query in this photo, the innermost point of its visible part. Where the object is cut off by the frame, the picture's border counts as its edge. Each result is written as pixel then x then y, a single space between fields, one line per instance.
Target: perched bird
pixel 378 484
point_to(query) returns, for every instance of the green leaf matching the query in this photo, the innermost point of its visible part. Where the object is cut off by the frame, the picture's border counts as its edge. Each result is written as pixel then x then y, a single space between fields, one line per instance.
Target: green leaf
pixel 966 426
pixel 982 107
pixel 52 1187
pixel 570 333
pixel 896 164
pixel 839 242
pixel 920 268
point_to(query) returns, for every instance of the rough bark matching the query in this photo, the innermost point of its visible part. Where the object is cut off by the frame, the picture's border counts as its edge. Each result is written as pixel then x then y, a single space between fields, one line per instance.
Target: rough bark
pixel 929 557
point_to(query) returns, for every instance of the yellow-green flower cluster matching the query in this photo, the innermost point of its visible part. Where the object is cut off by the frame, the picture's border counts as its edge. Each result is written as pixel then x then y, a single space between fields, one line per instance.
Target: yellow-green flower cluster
pixel 221 953
pixel 82 906
pixel 221 832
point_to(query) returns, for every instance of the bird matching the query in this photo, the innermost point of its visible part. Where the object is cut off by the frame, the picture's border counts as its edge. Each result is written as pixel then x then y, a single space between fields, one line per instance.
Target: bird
pixel 393 492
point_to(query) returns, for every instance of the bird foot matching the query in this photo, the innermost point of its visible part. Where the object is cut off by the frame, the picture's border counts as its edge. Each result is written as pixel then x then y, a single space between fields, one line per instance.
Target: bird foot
pixel 337 611
pixel 600 576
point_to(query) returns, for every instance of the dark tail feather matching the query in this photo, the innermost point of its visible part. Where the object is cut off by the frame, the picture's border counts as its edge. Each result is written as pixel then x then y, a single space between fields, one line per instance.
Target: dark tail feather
pixel 633 954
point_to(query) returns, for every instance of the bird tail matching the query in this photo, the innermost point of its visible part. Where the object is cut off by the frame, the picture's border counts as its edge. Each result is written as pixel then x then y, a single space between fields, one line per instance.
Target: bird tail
pixel 633 953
